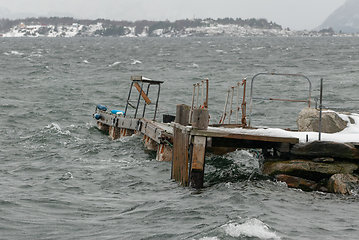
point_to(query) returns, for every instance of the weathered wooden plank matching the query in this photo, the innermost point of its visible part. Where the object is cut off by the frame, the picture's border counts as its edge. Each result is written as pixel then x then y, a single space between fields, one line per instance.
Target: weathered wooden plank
pixel 164 153
pixel 176 149
pixel 200 118
pixel 184 163
pixel 143 94
pixel 218 134
pixel 152 130
pixel 198 154
pixel 126 132
pixel 150 144
pixel 103 127
pixel 182 114
pixel 180 157
pixel 114 132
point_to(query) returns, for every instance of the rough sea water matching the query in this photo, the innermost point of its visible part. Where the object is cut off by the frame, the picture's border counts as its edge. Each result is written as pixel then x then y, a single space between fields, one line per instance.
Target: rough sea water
pixel 61 178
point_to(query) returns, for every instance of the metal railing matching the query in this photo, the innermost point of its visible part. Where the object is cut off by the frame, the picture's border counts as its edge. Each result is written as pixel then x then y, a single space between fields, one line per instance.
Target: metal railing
pixel 140 83
pixel 278 99
pixel 197 88
pixel 229 99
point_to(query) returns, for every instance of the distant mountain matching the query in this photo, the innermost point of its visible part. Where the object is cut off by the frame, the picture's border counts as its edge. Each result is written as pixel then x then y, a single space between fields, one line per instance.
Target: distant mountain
pixel 344 19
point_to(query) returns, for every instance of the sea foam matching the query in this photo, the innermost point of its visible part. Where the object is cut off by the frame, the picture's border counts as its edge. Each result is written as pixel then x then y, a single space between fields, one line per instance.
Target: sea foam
pixel 250 228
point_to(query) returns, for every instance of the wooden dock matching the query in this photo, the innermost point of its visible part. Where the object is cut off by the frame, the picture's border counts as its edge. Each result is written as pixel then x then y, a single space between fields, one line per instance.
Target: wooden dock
pixel 186 145
pixel 187 138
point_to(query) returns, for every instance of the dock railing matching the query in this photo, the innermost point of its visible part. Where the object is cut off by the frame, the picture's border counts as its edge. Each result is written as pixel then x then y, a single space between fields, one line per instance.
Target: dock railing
pixel 229 101
pixel 197 88
pixel 277 99
pixel 141 83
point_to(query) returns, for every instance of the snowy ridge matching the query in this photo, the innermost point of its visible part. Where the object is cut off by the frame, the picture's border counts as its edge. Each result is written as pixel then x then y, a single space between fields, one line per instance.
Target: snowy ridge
pixel 229 30
pixel 345 18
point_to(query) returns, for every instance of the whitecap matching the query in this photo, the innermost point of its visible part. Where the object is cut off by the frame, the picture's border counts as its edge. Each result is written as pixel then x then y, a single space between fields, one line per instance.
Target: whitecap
pixel 258 48
pixel 114 64
pixel 55 127
pixel 85 61
pixel 16 53
pixel 36 55
pixel 194 65
pixel 136 62
pixel 250 228
pixel 66 176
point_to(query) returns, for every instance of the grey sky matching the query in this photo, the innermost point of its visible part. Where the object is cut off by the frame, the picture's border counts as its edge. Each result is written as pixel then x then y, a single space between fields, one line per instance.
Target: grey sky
pixel 295 14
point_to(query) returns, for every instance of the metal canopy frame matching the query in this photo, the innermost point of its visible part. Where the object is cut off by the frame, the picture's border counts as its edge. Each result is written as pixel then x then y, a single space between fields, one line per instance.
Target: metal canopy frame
pixel 274 99
pixel 142 82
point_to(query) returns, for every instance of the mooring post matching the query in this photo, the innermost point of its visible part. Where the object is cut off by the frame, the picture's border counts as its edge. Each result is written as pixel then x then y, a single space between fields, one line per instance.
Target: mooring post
pixel 103 127
pixel 198 148
pixel 164 153
pixel 114 132
pixel 150 144
pixel 180 145
pixel 124 132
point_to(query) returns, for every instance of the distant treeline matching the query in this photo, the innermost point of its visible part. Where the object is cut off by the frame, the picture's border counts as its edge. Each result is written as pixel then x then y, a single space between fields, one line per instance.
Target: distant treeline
pixel 117 28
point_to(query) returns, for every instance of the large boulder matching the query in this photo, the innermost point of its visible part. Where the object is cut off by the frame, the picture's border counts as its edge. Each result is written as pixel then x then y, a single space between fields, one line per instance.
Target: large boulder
pixel 308 121
pixel 306 169
pixel 297 182
pixel 326 149
pixel 343 183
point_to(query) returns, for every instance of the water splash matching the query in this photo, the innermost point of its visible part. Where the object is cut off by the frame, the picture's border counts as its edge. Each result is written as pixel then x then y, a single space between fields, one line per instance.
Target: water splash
pixel 250 228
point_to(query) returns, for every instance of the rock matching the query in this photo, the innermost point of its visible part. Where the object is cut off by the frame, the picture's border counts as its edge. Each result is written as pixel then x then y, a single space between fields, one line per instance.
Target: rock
pixel 326 149
pixel 308 121
pixel 343 183
pixel 324 159
pixel 307 169
pixel 297 182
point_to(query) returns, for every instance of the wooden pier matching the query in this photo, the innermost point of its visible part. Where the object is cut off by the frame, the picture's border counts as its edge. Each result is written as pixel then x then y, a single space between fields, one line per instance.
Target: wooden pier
pixel 186 139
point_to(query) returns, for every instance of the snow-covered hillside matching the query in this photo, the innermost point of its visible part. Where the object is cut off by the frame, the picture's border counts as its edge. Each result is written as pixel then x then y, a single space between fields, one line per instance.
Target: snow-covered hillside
pixel 78 30
pixel 344 19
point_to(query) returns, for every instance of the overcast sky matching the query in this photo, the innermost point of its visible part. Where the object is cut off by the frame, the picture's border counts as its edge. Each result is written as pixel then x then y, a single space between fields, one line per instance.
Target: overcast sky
pixel 295 14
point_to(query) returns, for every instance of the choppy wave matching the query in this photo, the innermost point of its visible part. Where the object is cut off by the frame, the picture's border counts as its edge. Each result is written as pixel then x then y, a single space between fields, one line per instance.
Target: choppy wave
pixel 59 173
pixel 250 228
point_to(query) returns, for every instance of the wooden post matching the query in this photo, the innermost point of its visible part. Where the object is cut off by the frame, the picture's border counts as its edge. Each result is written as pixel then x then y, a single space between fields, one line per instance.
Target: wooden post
pixel 164 153
pixel 180 146
pixel 124 132
pixel 114 132
pixel 182 114
pixel 103 127
pixel 198 149
pixel 200 118
pixel 149 143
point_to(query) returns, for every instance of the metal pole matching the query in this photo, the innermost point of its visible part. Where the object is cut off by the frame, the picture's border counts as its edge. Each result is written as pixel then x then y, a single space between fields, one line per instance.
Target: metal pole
pixel 230 106
pixel 202 93
pixel 237 103
pixel 158 97
pixel 192 105
pixel 321 109
pixel 139 99
pixel 197 94
pixel 225 109
pixel 206 105
pixel 244 104
pixel 128 98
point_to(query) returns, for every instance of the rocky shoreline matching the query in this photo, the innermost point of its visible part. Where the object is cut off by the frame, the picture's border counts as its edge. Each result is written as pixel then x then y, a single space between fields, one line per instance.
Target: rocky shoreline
pixel 325 166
